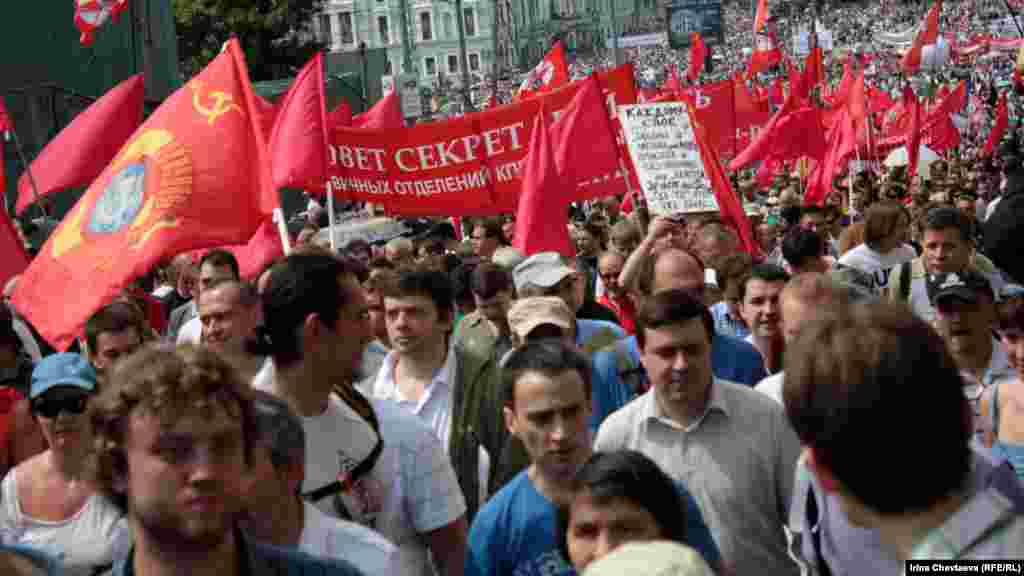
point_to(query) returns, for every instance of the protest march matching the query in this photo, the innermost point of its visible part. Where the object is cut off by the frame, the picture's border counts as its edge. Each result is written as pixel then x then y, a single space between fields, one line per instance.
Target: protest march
pixel 656 308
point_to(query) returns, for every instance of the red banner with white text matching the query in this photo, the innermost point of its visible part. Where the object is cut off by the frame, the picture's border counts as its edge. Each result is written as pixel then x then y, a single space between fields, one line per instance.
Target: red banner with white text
pixel 461 167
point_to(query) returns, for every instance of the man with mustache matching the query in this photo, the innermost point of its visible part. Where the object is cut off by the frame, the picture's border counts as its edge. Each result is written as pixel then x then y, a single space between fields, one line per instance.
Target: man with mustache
pixel 730 445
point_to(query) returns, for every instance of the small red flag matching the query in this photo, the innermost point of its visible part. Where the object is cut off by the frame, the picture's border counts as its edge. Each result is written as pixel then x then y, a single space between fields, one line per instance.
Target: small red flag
pixel 550 73
pixel 999 129
pixel 298 144
pixel 585 120
pixel 928 35
pixel 5 126
pixel 761 16
pixel 541 214
pixel 387 113
pixel 91 14
pixel 196 174
pixel 81 151
pixel 814 70
pixel 698 54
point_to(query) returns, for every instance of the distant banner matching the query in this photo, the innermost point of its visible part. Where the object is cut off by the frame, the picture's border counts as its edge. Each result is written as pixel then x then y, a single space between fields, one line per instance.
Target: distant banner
pixel 667 159
pixel 641 40
pixel 463 167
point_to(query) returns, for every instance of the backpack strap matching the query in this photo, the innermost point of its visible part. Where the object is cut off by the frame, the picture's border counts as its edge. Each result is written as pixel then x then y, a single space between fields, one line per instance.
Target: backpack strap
pixel 995 411
pixel 813 521
pixel 905 277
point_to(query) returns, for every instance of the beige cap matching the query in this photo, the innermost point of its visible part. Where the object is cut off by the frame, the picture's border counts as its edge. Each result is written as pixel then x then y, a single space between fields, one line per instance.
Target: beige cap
pixel 655 558
pixel 528 313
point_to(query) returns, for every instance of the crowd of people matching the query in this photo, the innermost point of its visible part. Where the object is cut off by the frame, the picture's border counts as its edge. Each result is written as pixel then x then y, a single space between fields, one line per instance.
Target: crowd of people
pixel 840 398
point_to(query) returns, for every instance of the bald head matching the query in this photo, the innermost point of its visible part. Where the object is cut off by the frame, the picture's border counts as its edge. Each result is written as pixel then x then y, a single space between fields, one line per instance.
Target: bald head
pixel 802 298
pixel 675 269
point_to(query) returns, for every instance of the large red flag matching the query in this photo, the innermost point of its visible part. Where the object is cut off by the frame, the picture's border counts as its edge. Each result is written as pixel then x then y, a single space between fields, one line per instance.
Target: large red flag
pixel 540 216
pixel 387 113
pixel 267 113
pixel 729 206
pixel 298 144
pixel 585 120
pixel 698 54
pixel 766 54
pixel 842 143
pixel 14 259
pixel 550 73
pixel 814 68
pixel 77 155
pixel 788 136
pixel 999 129
pixel 928 34
pixel 91 14
pixel 262 249
pixel 196 174
pixel 715 108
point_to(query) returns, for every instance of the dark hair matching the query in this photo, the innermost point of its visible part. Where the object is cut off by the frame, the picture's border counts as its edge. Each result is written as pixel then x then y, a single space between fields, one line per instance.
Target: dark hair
pixel 8 337
pixel 460 282
pixel 492 229
pixel 670 307
pixel 852 376
pixel 431 284
pixel 631 476
pixel 881 219
pixel 1011 313
pixel 732 268
pixel 299 285
pixel 488 279
pixel 115 317
pixel 219 258
pixel 801 246
pixel 790 215
pixel 768 273
pixel 945 217
pixel 1004 232
pixel 550 356
pixel 811 210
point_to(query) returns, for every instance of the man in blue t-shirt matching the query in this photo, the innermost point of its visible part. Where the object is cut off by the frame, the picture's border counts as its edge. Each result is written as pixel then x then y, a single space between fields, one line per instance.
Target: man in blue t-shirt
pixel 547 397
pixel 618 375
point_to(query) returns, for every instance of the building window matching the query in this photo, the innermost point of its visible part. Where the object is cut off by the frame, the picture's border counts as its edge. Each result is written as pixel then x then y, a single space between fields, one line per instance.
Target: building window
pixel 326 35
pixel 453 64
pixel 430 66
pixel 469 20
pixel 426 29
pixel 383 31
pixel 345 27
pixel 474 62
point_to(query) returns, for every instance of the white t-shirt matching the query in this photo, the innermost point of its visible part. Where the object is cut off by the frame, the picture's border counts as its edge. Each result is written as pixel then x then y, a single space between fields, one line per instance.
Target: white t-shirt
pixel 876 264
pixel 328 537
pixel 191 332
pixel 771 387
pixel 82 543
pixel 411 490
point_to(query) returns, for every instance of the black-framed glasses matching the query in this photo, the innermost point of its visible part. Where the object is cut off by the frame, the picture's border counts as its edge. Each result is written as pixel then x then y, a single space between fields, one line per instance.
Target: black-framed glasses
pixel 52 407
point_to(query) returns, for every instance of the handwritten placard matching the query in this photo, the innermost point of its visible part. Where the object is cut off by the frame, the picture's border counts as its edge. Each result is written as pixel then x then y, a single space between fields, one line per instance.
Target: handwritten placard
pixel 667 159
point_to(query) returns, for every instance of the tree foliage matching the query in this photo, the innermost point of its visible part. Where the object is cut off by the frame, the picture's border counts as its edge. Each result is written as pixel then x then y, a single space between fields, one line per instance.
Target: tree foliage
pixel 277 35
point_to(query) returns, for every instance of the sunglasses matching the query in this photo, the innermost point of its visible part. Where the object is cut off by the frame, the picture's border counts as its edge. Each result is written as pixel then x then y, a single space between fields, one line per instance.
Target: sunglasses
pixel 50 408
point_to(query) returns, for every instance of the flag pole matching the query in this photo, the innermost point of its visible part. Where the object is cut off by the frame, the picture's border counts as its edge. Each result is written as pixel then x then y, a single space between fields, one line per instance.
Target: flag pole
pixel 28 171
pixel 330 216
pixel 282 229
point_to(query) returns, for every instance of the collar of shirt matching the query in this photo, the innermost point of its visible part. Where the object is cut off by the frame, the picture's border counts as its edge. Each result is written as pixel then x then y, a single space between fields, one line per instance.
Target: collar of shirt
pixel 652 411
pixel 249 561
pixel 386 387
pixel 998 366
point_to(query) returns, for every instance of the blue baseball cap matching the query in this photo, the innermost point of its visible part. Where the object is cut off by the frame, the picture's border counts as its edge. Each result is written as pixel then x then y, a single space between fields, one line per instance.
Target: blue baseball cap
pixel 62 369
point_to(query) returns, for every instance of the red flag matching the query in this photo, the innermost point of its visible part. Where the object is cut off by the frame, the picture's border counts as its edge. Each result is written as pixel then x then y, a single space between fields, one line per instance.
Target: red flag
pixel 999 129
pixel 729 205
pixel 766 54
pixel 715 108
pixel 914 140
pixel 842 143
pixel 267 112
pixel 814 69
pixel 195 174
pixel 585 120
pixel 797 84
pixel 951 103
pixel 761 16
pixel 386 113
pixel 540 216
pixel 77 155
pixel 928 35
pixel 550 73
pixel 15 259
pixel 298 144
pixel 263 248
pixel 698 54
pixel 5 126
pixel 750 111
pixel 91 14
pixel 788 136
pixel 673 85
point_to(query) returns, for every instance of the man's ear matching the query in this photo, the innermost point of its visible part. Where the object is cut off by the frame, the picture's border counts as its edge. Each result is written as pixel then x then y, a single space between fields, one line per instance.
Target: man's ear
pixel 821 472
pixel 510 420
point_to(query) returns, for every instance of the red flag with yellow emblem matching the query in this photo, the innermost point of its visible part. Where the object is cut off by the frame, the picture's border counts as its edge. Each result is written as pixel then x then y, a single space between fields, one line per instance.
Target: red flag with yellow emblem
pixel 194 175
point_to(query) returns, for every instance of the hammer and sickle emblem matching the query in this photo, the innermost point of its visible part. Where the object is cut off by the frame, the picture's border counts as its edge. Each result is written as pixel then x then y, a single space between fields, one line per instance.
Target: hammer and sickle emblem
pixel 222 102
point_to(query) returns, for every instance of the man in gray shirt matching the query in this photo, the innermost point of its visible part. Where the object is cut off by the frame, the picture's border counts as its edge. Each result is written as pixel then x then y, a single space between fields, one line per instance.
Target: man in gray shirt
pixel 730 445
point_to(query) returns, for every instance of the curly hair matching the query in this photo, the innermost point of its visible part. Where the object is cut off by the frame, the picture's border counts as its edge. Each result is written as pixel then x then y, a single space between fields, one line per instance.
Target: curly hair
pixel 165 383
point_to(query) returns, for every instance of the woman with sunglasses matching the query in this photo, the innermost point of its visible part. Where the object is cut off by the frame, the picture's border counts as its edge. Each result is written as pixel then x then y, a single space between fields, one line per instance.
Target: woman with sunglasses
pixel 48 501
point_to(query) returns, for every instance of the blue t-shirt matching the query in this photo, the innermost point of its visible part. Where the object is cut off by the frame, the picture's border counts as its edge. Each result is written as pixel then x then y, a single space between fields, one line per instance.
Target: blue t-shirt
pixel 514 534
pixel 732 359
